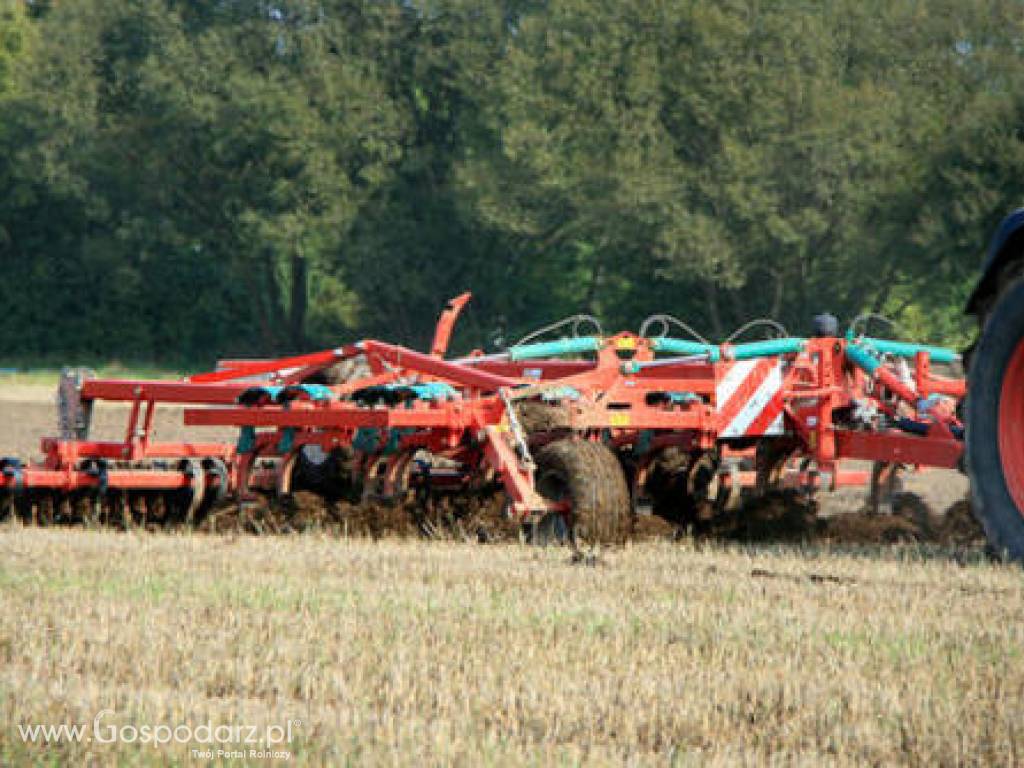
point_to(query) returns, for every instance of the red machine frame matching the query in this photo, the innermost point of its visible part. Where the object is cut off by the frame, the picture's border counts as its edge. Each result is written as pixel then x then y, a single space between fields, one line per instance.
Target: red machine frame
pixel 624 395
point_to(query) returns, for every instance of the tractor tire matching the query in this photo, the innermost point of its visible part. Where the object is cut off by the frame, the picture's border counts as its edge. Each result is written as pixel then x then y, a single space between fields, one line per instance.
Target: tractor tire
pixel 995 424
pixel 589 476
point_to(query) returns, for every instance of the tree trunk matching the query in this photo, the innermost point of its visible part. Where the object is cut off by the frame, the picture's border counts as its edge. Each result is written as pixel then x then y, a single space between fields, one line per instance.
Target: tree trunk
pixel 780 288
pixel 299 303
pixel 711 300
pixel 593 299
pixel 272 316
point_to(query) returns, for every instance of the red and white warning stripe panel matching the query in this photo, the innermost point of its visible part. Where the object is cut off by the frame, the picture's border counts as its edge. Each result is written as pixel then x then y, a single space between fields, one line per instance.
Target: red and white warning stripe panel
pixel 749 398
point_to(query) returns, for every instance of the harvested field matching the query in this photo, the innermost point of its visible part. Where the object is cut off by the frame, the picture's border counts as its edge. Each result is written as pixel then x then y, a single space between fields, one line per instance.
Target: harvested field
pixel 434 653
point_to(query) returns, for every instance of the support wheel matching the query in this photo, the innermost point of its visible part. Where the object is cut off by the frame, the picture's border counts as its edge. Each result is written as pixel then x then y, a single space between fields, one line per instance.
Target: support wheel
pixel 995 424
pixel 588 476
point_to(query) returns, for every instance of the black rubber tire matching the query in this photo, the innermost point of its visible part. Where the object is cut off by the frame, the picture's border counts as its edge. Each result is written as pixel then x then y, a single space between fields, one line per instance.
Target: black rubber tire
pixel 538 417
pixel 590 477
pixel 1003 331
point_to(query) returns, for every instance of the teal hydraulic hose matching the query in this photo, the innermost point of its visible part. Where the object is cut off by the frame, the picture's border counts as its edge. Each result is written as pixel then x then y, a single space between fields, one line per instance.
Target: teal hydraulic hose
pixel 557 348
pixel 768 348
pixel 686 347
pixel 905 349
pixel 863 359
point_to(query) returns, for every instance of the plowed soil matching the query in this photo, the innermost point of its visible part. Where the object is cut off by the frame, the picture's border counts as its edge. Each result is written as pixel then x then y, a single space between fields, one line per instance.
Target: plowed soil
pixel 931 511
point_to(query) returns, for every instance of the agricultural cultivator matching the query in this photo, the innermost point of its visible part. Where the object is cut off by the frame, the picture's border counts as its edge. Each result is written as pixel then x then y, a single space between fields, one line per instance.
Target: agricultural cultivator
pixel 582 433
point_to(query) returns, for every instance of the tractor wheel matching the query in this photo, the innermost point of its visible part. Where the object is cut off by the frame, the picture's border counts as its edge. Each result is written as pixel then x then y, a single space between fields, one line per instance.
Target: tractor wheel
pixel 995 424
pixel 588 476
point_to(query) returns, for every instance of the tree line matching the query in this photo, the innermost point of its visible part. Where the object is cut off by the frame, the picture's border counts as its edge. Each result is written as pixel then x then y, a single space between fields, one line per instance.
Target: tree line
pixel 184 179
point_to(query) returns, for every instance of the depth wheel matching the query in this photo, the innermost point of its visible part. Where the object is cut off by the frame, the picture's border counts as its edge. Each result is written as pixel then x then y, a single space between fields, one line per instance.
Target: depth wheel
pixel 589 477
pixel 995 424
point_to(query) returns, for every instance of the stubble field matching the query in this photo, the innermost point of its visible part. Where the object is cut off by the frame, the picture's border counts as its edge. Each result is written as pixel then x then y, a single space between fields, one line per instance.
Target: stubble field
pixel 413 653
pixel 408 652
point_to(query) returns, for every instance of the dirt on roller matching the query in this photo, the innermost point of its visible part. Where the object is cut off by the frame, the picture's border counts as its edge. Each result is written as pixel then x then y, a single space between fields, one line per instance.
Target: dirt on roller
pixel 932 508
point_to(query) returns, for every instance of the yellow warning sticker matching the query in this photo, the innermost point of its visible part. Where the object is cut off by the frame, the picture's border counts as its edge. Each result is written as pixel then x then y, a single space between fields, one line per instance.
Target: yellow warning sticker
pixel 626 342
pixel 619 419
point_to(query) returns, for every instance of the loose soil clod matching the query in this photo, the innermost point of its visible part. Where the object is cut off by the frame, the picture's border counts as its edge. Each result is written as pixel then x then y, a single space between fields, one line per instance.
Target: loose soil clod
pixel 776 518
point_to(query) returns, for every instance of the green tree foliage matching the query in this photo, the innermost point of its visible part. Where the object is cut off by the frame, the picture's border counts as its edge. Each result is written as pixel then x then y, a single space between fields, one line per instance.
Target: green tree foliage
pixel 20 191
pixel 15 41
pixel 222 165
pixel 766 158
pixel 185 179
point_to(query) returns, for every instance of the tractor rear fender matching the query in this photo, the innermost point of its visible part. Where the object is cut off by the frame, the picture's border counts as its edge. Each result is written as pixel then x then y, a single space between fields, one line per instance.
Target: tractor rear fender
pixel 1006 246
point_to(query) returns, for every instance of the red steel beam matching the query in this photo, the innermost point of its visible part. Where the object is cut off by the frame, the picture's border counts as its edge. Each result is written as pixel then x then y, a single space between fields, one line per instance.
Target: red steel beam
pixel 445 324
pixel 794 478
pixel 643 418
pixel 951 387
pixel 242 369
pixel 454 372
pixel 161 391
pixel 341 418
pixel 117 479
pixel 75 449
pixel 538 369
pixel 524 498
pixel 898 447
